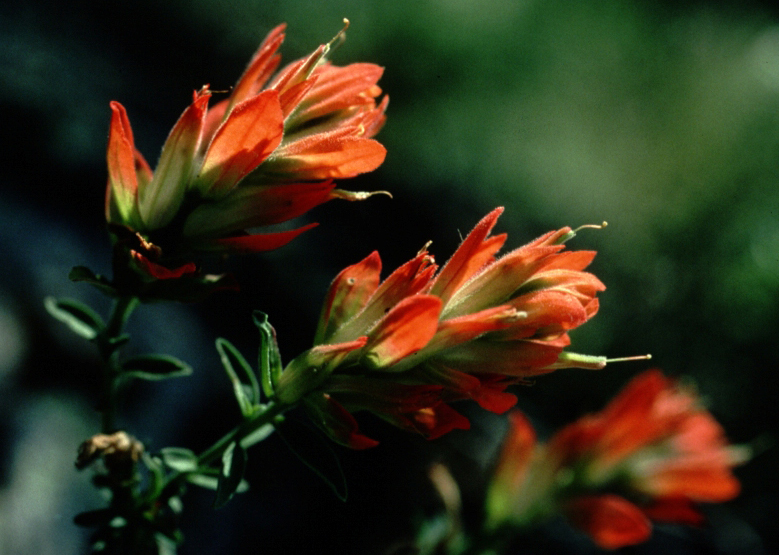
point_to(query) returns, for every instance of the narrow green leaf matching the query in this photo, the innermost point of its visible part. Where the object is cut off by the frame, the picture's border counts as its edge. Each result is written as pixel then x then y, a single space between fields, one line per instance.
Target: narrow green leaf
pixel 247 392
pixel 258 435
pixel 269 356
pixel 206 481
pixel 155 367
pixel 203 480
pixel 82 273
pixel 316 452
pixel 179 459
pixel 233 467
pixel 81 319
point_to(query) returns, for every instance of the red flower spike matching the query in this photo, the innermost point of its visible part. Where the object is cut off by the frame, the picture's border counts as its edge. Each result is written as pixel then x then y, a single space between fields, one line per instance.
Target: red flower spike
pixel 235 165
pixel 481 324
pixel 653 443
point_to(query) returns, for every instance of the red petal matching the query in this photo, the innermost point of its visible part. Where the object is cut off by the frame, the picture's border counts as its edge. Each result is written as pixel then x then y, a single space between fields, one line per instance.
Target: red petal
pixel 256 243
pixel 406 329
pixel 254 206
pixel 463 329
pixel 348 294
pixel 159 200
pixel 470 257
pixel 432 422
pixel 516 453
pixel 334 155
pixel 500 280
pixel 510 358
pixel 260 68
pixel 491 395
pixel 409 279
pixel 337 422
pixel 679 510
pixel 122 177
pixel 611 521
pixel 161 272
pixel 339 88
pixel 246 138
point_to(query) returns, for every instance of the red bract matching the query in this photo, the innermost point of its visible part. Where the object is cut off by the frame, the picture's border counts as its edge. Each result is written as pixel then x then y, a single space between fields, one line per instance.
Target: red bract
pixel 473 328
pixel 654 446
pixel 266 154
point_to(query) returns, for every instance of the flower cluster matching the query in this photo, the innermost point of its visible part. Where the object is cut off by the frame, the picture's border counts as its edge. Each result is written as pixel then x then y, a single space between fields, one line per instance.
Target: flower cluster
pixel 264 155
pixel 403 348
pixel 651 454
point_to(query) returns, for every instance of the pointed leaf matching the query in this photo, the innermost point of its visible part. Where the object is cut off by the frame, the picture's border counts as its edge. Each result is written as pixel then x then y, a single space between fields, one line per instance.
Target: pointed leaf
pixel 233 467
pixel 245 385
pixel 179 459
pixel 81 319
pixel 155 367
pixel 269 357
pixel 82 273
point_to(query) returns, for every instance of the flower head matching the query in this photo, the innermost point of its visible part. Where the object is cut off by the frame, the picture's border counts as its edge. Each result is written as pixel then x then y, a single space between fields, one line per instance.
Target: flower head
pixel 471 329
pixel 266 154
pixel 651 454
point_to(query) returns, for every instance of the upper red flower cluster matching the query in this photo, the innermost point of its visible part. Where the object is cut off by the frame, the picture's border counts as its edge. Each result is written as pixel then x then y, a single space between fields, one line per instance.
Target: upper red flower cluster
pixel 653 446
pixel 411 343
pixel 266 154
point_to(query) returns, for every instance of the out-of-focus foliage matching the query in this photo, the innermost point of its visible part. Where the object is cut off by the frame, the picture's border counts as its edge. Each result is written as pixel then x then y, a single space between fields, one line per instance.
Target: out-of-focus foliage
pixel 662 120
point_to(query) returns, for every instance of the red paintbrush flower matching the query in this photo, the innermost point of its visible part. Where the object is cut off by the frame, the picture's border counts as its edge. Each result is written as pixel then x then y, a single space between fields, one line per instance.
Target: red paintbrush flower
pixel 472 329
pixel 266 154
pixel 653 448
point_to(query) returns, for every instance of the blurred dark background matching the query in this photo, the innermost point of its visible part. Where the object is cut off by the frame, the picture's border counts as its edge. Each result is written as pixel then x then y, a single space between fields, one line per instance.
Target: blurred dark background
pixel 659 117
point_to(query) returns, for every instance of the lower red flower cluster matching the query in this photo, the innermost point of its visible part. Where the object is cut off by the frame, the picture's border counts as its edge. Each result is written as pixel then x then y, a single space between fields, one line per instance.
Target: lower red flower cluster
pixel 651 454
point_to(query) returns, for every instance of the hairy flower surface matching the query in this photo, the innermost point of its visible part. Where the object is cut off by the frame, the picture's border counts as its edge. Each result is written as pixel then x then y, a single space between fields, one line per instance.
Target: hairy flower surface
pixel 651 454
pixel 468 331
pixel 266 154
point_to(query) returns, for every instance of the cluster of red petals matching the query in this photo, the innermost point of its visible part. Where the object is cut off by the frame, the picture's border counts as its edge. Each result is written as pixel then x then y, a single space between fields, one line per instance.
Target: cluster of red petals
pixel 469 331
pixel 654 447
pixel 266 154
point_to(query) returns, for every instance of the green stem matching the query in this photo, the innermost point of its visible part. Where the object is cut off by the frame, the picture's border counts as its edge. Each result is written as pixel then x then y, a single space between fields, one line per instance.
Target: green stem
pixel 246 428
pixel 271 411
pixel 109 348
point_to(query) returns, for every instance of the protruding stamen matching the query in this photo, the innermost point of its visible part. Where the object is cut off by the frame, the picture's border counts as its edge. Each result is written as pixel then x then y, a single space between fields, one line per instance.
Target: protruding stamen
pixel 629 359
pixel 591 226
pixel 424 248
pixel 571 234
pixel 356 195
pixel 340 38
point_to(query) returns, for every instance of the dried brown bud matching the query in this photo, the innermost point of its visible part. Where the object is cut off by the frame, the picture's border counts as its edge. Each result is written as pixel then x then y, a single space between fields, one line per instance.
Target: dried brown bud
pixel 116 449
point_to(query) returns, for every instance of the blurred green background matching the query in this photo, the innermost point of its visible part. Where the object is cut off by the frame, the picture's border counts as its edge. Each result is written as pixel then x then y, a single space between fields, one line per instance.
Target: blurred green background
pixel 661 118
